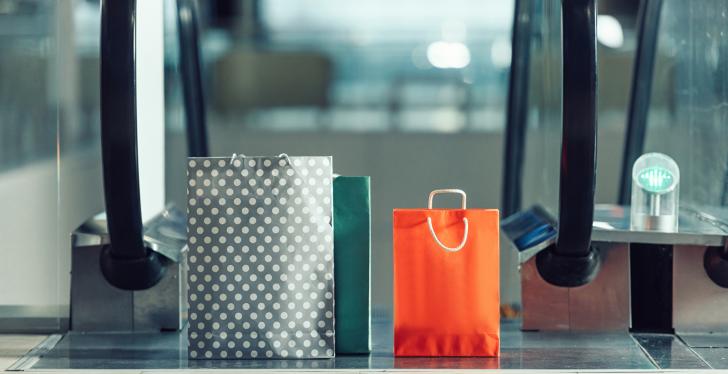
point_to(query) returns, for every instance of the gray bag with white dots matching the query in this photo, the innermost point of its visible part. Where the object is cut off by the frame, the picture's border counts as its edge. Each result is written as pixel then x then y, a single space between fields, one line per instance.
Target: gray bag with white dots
pixel 261 261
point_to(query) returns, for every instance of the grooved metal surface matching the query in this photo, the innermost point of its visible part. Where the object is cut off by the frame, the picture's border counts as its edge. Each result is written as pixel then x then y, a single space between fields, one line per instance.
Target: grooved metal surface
pixel 520 350
pixel 668 352
pixel 717 358
pixel 711 347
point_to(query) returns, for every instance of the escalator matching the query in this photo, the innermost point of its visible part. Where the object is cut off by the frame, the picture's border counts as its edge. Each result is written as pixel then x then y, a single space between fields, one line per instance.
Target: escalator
pixel 664 287
pixel 585 291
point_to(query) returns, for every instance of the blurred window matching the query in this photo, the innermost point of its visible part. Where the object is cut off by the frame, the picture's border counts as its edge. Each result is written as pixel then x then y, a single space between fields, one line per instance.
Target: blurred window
pixel 413 66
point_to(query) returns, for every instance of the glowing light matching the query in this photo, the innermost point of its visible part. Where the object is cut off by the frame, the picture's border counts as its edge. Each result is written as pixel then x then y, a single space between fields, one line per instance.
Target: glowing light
pixel 655 179
pixel 609 31
pixel 500 53
pixel 447 55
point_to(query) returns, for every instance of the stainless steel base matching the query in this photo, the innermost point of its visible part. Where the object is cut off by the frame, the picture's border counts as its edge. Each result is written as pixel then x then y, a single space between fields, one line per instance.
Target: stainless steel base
pixel 601 305
pixel 699 305
pixel 604 304
pixel 98 306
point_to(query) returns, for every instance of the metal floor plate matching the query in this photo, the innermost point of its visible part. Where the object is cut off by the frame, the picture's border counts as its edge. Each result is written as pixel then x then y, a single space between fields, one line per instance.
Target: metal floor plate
pixel 717 358
pixel 519 350
pixel 710 347
pixel 669 352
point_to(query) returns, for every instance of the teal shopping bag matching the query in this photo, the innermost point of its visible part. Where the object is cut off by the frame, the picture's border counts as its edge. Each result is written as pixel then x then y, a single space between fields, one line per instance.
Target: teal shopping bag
pixel 352 251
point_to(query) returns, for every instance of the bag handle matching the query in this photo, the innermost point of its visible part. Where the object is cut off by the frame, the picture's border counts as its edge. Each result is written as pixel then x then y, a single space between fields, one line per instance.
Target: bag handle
pixel 448 190
pixel 465 220
pixel 241 155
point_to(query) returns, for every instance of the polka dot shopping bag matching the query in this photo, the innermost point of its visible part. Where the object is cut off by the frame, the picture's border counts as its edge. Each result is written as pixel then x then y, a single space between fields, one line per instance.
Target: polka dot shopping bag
pixel 446 281
pixel 260 257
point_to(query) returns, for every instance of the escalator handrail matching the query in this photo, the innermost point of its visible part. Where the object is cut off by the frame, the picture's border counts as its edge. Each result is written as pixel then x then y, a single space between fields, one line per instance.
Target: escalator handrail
pixel 126 263
pixel 578 144
pixel 648 25
pixel 119 128
pixel 190 68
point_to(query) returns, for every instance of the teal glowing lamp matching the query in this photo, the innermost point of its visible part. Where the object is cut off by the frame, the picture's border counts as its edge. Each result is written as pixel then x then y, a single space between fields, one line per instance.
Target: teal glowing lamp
pixel 655 193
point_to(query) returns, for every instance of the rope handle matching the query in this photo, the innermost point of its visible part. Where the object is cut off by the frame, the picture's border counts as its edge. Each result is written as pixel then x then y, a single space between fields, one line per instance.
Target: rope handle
pixel 448 190
pixel 242 156
pixel 465 220
pixel 235 155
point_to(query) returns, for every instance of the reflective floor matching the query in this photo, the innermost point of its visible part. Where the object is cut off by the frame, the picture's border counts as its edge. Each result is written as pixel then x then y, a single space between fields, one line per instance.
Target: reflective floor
pixel 520 350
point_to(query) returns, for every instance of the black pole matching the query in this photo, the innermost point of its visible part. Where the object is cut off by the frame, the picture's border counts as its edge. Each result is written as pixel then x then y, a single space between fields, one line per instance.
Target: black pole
pixel 517 115
pixel 639 103
pixel 126 263
pixel 187 22
pixel 572 261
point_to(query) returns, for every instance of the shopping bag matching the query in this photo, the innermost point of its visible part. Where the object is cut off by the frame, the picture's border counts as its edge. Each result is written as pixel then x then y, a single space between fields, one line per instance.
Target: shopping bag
pixel 446 291
pixel 352 248
pixel 260 258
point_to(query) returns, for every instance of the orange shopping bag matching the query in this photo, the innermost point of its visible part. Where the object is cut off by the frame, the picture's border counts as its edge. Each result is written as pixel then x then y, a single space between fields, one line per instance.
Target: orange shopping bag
pixel 446 292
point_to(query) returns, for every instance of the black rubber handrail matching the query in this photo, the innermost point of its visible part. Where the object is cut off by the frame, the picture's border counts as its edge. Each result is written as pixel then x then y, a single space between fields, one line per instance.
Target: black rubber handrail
pixel 572 261
pixel 126 262
pixel 194 102
pixel 648 25
pixel 579 134
pixel 517 112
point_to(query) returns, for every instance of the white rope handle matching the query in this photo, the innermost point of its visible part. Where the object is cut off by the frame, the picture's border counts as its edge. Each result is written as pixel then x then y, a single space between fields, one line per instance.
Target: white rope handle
pixel 465 220
pixel 449 249
pixel 448 190
pixel 282 155
pixel 236 155
pixel 285 155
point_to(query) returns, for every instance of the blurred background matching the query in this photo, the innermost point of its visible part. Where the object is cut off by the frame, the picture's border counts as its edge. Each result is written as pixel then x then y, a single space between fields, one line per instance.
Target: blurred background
pixel 412 93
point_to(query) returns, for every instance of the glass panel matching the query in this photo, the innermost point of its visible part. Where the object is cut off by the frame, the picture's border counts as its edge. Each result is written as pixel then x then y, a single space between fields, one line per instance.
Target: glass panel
pixel 50 170
pixel 79 167
pixel 689 103
pixel 543 136
pixel 29 129
pixel 353 62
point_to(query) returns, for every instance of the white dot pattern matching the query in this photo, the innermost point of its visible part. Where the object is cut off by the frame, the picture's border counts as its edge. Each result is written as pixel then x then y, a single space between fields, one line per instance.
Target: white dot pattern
pixel 261 258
